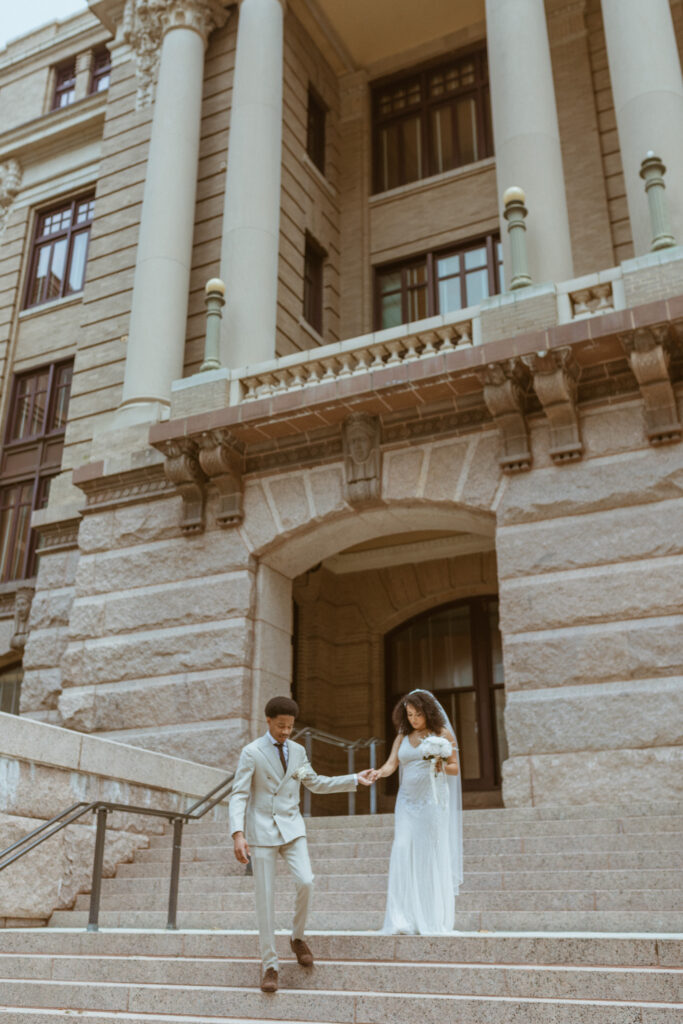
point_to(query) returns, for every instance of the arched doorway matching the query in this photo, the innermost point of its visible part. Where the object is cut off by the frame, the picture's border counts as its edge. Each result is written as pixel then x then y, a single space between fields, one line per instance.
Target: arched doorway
pixel 455 651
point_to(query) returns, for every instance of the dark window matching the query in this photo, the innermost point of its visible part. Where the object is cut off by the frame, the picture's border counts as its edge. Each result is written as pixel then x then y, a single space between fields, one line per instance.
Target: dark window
pixel 31 456
pixel 455 651
pixel 314 259
pixel 437 282
pixel 65 85
pixel 315 133
pixel 10 688
pixel 431 121
pixel 101 70
pixel 60 250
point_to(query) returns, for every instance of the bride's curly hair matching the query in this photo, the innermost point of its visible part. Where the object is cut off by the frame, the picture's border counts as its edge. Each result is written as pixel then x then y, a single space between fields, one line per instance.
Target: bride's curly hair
pixel 425 704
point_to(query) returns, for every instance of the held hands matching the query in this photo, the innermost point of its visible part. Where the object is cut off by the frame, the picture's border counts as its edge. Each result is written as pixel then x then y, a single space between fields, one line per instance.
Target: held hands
pixel 241 847
pixel 367 777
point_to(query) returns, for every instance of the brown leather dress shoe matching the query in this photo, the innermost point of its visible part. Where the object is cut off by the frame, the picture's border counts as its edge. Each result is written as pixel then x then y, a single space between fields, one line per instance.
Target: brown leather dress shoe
pixel 302 952
pixel 269 980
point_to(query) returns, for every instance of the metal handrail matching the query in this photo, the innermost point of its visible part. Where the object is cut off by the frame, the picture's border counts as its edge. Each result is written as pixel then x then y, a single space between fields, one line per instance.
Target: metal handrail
pixel 102 808
pixel 351 746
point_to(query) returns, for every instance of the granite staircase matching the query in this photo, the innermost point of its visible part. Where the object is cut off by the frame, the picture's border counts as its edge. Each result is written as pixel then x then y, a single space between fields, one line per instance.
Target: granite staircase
pixel 568 915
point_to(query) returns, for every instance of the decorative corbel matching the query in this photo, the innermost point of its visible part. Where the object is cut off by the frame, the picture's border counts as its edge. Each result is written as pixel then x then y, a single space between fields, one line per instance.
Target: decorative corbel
pixel 22 611
pixel 182 469
pixel 362 458
pixel 10 183
pixel 555 376
pixel 222 462
pixel 504 394
pixel 648 353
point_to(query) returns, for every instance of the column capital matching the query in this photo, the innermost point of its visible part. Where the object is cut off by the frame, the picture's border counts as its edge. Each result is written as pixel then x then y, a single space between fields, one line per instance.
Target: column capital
pixel 144 26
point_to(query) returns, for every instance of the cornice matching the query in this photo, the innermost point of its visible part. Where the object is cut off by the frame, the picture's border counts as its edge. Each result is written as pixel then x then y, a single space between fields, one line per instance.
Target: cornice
pixel 33 137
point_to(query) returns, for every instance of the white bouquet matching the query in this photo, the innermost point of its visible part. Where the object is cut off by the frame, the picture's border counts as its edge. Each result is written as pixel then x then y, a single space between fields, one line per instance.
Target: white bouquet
pixel 436 749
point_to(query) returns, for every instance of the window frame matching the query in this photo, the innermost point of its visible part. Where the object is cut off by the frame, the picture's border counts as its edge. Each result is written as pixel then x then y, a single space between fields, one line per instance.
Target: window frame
pixel 69 235
pixel 42 454
pixel 97 73
pixel 60 88
pixel 314 287
pixel 316 128
pixel 430 259
pixel 480 90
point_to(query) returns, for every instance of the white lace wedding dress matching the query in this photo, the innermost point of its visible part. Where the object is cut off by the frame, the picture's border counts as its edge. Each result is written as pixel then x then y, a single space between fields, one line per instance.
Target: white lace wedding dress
pixel 421 891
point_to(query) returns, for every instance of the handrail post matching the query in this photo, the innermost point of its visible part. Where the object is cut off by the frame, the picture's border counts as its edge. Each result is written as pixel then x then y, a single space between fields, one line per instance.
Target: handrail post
pixel 373 765
pixel 98 861
pixel 175 874
pixel 308 744
pixel 351 753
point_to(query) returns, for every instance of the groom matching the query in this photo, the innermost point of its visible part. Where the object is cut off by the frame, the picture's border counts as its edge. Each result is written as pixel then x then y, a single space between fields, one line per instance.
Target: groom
pixel 265 805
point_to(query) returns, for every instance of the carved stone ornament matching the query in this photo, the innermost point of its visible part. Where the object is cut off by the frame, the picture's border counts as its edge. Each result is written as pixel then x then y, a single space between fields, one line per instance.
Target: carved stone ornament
pixel 222 462
pixel 184 472
pixel 22 612
pixel 362 458
pixel 503 394
pixel 555 376
pixel 146 21
pixel 10 183
pixel 647 349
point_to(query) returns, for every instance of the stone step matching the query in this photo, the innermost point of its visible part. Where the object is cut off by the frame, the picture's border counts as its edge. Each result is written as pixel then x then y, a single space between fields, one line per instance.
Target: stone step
pixel 471 829
pixel 587 949
pixel 665 809
pixel 520 980
pixel 665 921
pixel 475 881
pixel 617 860
pixel 637 899
pixel 196 1002
pixel 471 848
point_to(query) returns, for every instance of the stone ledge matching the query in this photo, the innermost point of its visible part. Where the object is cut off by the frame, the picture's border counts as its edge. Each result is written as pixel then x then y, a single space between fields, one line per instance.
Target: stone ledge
pixel 28 740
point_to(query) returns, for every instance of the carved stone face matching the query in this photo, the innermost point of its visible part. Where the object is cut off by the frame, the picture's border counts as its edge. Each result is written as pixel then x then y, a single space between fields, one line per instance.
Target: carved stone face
pixel 22 605
pixel 360 448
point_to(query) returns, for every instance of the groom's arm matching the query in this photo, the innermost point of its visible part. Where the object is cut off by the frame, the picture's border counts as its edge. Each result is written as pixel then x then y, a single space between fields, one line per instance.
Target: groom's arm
pixel 325 783
pixel 241 789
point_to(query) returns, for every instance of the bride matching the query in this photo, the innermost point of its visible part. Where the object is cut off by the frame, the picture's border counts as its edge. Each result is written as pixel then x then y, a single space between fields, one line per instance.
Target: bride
pixel 425 870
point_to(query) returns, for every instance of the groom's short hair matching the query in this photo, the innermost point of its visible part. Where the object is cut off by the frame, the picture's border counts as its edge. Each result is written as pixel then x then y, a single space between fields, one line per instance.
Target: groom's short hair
pixel 281 706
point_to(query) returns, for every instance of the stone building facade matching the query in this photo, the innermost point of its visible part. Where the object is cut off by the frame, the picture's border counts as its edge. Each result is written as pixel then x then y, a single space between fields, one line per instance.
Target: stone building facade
pixel 394 453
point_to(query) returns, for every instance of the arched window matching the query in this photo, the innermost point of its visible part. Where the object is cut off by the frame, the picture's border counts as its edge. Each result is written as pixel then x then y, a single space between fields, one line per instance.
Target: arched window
pixel 455 651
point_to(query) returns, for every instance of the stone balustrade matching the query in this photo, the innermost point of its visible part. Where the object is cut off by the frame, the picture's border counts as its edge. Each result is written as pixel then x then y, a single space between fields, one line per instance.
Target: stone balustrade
pixel 381 350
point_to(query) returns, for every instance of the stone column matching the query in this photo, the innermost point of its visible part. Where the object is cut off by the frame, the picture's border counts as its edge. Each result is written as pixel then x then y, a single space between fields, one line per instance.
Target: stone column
pixel 156 341
pixel 648 100
pixel 251 215
pixel 83 73
pixel 526 133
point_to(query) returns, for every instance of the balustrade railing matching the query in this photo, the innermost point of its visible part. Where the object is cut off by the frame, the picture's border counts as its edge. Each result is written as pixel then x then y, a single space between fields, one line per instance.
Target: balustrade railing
pixel 308 735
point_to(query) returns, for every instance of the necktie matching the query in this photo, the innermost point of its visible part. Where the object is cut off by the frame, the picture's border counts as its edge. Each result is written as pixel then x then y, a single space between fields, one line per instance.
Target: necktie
pixel 281 752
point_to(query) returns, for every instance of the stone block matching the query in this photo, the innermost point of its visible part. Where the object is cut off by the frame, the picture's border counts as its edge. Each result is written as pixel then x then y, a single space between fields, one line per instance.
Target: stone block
pixel 50 609
pixel 274 598
pixel 142 703
pixel 51 876
pixel 597 777
pixel 606 652
pixel 612 535
pixel 290 499
pixel 637 713
pixel 208 743
pixel 158 652
pixel 612 430
pixel 401 473
pixel 40 688
pixel 259 526
pixel 484 474
pixel 45 647
pixel 646 476
pixel 444 469
pixel 581 596
pixel 327 490
pixel 57 569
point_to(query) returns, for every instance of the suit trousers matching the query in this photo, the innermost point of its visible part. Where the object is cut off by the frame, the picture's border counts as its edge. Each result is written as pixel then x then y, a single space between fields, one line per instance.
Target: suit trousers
pixel 264 863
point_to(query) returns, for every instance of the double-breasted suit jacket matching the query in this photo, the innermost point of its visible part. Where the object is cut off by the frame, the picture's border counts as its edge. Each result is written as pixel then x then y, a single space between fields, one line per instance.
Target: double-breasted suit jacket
pixel 265 800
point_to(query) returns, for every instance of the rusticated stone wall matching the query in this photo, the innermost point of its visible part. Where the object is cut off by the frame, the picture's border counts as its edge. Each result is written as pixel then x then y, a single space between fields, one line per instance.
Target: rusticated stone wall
pixel 590 562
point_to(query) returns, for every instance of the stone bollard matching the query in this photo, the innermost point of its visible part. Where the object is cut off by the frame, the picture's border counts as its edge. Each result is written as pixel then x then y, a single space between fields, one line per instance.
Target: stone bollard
pixel 514 213
pixel 652 172
pixel 215 300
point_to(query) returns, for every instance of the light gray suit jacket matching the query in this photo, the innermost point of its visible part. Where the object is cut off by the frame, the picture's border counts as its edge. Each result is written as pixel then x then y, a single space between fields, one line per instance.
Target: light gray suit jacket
pixel 265 801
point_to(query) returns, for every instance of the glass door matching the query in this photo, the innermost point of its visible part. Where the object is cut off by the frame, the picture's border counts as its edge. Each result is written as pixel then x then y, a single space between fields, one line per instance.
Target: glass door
pixel 455 651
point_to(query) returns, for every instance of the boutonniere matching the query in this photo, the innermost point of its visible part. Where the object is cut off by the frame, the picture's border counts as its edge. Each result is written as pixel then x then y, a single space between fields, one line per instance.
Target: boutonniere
pixel 299 773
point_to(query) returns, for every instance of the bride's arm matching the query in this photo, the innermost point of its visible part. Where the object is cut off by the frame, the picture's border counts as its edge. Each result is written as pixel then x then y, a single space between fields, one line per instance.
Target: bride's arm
pixel 452 766
pixel 391 763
